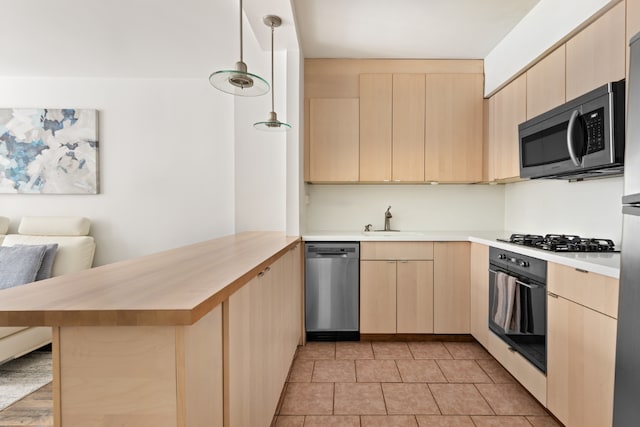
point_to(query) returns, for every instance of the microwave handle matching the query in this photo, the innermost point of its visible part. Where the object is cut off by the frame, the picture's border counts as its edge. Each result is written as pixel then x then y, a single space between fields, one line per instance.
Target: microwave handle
pixel 574 158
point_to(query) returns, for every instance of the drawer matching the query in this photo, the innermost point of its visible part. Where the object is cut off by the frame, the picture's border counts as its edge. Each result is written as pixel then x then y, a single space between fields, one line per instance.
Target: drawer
pixel 521 369
pixel 592 290
pixel 396 250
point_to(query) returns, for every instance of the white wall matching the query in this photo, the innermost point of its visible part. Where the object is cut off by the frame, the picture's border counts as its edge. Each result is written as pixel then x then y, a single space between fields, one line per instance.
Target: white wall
pixel 166 136
pixel 547 23
pixel 165 156
pixel 588 208
pixel 414 207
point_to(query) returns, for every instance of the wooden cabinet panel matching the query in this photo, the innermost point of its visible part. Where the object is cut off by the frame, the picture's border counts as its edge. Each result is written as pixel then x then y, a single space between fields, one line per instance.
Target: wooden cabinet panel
pixel 396 250
pixel 333 140
pixel 546 83
pixel 509 111
pixel 414 285
pixel 633 25
pixel 375 127
pixel 408 127
pixel 596 55
pixel 479 293
pixel 263 334
pixel 378 297
pixel 580 364
pixel 453 141
pixel 592 290
pixel 451 288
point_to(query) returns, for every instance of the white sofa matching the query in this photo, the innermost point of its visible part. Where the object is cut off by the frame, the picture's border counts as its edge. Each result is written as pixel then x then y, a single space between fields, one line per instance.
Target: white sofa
pixel 75 252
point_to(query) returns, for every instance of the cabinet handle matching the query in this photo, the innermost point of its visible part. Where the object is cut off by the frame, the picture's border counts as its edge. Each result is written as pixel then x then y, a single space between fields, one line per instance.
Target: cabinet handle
pixel 261 274
pixel 391 262
pixel 267 269
pixel 404 261
pixel 552 295
pixel 581 270
pixel 512 350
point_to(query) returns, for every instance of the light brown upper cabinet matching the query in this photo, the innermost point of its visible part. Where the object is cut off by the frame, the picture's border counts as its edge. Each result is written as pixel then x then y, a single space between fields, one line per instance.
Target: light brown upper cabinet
pixel 333 139
pixel 453 141
pixel 408 127
pixel 546 83
pixel 633 24
pixel 596 55
pixel 375 127
pixel 509 110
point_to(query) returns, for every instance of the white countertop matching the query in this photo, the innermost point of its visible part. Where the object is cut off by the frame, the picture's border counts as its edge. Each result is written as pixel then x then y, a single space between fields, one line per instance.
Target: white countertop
pixel 607 264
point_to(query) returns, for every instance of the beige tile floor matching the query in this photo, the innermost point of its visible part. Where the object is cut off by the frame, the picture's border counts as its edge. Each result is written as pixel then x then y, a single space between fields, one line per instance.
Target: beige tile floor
pixel 399 384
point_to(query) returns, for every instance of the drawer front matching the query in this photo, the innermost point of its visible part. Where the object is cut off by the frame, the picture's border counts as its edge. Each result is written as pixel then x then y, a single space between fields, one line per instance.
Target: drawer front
pixel 528 375
pixel 595 291
pixel 396 250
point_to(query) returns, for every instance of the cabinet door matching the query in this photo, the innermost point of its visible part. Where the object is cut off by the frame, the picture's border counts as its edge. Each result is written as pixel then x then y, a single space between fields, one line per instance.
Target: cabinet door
pixel 596 55
pixel 378 297
pixel 580 364
pixel 479 293
pixel 415 297
pixel 375 127
pixel 408 127
pixel 333 140
pixel 453 141
pixel 633 25
pixel 451 288
pixel 546 83
pixel 510 110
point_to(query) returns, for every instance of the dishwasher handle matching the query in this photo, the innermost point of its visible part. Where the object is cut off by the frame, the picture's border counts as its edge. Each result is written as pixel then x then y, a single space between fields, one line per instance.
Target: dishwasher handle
pixel 332 254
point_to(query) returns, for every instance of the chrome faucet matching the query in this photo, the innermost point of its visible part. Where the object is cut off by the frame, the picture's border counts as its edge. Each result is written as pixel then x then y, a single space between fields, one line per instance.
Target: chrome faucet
pixel 387 217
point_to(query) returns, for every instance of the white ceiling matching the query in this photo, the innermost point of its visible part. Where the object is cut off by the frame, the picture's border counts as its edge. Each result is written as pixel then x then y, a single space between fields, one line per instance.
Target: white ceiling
pixel 405 28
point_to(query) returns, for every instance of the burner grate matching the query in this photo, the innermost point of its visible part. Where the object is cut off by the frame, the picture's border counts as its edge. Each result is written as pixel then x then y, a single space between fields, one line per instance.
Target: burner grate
pixel 563 243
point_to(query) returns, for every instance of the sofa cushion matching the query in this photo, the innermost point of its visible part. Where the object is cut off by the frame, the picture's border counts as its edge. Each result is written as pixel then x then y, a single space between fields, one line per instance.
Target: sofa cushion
pixel 54 226
pixel 47 261
pixel 20 264
pixel 4 225
pixel 74 253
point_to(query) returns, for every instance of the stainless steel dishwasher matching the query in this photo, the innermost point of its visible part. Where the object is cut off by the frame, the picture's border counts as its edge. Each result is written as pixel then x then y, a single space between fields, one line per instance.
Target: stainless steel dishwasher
pixel 332 290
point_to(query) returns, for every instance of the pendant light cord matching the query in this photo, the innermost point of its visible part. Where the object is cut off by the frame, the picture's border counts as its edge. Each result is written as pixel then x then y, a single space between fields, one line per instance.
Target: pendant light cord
pixel 241 60
pixel 273 83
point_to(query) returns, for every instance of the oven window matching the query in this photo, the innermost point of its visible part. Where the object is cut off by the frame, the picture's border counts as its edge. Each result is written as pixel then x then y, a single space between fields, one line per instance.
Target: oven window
pixel 545 147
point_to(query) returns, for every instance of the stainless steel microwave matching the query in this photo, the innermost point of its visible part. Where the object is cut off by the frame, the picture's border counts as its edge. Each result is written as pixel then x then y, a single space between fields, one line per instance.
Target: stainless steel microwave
pixel 583 138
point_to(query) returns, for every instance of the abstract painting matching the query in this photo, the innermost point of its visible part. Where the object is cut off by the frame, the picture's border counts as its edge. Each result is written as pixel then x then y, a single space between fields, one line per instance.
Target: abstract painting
pixel 48 151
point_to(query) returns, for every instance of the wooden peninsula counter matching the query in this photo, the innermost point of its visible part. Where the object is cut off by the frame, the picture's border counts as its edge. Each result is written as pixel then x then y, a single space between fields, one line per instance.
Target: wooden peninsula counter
pixel 201 335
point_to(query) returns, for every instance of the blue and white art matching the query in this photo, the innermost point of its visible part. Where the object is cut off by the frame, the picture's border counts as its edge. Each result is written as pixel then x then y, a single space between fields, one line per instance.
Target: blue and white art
pixel 48 151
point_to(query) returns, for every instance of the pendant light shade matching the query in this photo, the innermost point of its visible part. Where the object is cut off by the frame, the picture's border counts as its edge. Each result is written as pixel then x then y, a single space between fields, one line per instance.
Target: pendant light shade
pixel 238 81
pixel 272 124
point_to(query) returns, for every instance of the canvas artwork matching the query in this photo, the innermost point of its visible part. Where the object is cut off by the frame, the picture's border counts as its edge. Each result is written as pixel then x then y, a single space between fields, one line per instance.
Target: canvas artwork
pixel 48 151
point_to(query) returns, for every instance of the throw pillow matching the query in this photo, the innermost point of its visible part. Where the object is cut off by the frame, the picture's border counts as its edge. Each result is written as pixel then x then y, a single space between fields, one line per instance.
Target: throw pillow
pixel 47 261
pixel 19 265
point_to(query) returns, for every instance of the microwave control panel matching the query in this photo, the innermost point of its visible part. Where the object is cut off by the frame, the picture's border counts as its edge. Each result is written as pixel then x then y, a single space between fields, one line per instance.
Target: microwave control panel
pixel 594 124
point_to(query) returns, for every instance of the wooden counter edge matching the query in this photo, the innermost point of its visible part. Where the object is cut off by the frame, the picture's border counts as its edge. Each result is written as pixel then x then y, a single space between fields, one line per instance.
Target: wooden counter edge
pixel 143 317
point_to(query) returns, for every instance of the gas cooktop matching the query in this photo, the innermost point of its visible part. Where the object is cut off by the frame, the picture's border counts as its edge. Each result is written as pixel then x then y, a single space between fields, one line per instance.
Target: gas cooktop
pixel 562 243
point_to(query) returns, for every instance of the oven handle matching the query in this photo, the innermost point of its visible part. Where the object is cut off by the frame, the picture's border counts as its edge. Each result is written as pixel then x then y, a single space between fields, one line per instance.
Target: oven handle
pixel 526 285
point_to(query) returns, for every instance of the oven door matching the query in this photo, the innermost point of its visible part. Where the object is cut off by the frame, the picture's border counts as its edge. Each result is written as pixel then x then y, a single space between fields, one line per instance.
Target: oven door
pixel 518 314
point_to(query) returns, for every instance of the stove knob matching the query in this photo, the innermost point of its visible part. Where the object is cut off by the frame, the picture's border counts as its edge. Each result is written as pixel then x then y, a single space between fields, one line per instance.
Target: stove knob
pixel 523 263
pixel 502 256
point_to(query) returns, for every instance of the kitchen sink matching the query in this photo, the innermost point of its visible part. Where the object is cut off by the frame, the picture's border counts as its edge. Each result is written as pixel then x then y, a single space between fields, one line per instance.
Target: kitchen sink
pixel 391 233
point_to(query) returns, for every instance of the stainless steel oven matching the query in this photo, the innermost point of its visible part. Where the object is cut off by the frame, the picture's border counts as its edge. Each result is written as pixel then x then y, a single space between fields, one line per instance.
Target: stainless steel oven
pixel 518 303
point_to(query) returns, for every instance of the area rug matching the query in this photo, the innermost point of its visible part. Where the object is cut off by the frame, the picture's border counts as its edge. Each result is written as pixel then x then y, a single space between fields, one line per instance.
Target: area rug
pixel 23 376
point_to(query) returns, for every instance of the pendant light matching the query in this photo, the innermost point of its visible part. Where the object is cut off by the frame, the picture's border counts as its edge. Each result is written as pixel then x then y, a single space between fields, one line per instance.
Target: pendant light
pixel 272 124
pixel 239 81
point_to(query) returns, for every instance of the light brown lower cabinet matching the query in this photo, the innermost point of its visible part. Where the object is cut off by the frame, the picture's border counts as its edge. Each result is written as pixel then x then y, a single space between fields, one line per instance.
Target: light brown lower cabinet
pixel 396 287
pixel 479 293
pixel 263 319
pixel 396 297
pixel 451 298
pixel 581 345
